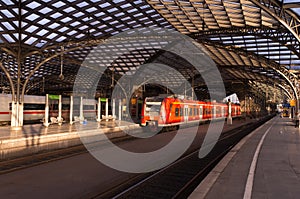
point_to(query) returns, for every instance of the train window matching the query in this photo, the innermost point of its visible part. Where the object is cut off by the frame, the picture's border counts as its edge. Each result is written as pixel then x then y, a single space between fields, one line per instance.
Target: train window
pixel 31 106
pixel 154 108
pixel 53 106
pixel 190 112
pixel 176 112
pixel 34 106
pixel 76 107
pixel 65 106
pixel 218 110
pixel 195 111
pixel 207 111
pixel 181 111
pixel 88 107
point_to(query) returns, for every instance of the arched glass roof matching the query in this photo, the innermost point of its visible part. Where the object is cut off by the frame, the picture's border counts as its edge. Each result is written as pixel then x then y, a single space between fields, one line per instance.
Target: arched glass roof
pixel 248 40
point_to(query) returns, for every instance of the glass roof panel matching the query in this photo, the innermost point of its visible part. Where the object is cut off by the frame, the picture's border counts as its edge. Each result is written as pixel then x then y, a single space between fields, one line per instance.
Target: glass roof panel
pixel 8 26
pixel 44 21
pixel 8 2
pixel 33 5
pixel 56 15
pixel 45 10
pixel 105 5
pixel 78 14
pixel 7 14
pixel 31 40
pixel 69 9
pixel 8 38
pixel 54 25
pixel 32 17
pixel 59 4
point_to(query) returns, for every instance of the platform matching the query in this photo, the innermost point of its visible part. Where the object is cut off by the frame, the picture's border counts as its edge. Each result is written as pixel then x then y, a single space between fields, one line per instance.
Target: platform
pixel 35 138
pixel 265 164
pixel 39 129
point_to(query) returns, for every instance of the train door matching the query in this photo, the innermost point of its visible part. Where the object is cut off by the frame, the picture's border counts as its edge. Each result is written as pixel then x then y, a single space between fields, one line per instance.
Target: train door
pixel 201 112
pixel 223 111
pixel 213 112
pixel 186 113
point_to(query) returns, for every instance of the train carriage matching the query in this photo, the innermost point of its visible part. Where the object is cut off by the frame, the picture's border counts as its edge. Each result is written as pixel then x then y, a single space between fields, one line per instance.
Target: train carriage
pixel 172 111
pixel 34 108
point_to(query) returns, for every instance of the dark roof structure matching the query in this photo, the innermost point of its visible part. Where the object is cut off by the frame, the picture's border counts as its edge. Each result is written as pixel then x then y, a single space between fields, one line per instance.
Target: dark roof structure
pixel 255 44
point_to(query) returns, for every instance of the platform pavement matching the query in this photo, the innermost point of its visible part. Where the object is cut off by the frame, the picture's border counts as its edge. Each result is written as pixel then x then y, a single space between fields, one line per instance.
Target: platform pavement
pixel 35 138
pixel 7 133
pixel 275 174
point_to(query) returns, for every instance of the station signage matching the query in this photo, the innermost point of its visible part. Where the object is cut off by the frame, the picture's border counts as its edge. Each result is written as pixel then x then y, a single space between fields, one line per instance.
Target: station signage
pixel 53 97
pixel 102 99
pixel 293 102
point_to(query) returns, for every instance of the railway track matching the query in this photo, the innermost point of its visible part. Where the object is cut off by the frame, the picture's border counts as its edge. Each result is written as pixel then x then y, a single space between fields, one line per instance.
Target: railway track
pixel 44 157
pixel 174 181
pixel 179 179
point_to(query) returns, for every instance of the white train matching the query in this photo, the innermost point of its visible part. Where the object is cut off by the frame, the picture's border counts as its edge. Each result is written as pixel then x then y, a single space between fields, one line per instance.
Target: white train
pixel 34 108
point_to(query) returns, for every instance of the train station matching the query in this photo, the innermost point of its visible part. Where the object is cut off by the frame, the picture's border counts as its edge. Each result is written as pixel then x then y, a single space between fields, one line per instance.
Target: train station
pixel 149 99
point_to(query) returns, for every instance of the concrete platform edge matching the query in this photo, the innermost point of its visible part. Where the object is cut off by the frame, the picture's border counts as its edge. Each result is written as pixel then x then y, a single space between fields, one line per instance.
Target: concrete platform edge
pixel 204 187
pixel 17 147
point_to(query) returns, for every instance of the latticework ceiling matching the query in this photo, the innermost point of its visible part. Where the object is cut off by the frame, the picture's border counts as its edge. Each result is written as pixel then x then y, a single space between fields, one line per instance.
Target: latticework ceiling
pixel 252 42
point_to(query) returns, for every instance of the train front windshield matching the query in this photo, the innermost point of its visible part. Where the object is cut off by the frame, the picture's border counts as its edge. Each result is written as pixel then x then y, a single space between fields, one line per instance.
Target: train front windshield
pixel 153 105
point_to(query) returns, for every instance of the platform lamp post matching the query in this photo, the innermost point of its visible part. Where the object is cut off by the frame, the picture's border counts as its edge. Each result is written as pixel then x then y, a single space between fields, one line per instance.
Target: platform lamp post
pixel 59 118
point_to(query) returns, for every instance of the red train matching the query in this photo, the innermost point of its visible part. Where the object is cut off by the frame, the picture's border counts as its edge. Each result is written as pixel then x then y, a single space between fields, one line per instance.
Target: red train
pixel 172 111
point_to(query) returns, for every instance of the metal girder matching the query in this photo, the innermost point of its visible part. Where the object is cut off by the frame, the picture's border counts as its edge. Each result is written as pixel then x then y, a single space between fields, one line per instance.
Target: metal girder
pixel 279 35
pixel 291 78
pixel 286 17
pixel 286 92
pixel 56 51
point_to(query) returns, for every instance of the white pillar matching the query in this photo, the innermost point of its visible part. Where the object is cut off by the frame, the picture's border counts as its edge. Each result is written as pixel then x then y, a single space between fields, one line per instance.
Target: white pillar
pixel 120 109
pixel 16 115
pixel 71 109
pixel 106 109
pixel 99 110
pixel 114 107
pixel 81 117
pixel 229 118
pixel 13 114
pixel 59 118
pixel 46 118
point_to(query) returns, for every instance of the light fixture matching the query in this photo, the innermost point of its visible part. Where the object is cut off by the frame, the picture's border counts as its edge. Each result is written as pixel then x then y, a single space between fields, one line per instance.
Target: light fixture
pixel 61 76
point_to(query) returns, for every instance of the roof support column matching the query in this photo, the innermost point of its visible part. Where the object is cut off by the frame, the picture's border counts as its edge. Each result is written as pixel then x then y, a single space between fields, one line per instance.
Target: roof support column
pixel 17 101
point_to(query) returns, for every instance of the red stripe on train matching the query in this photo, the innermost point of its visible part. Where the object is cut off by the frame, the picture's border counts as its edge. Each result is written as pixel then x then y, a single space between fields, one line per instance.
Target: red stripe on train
pixel 41 112
pixel 27 113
